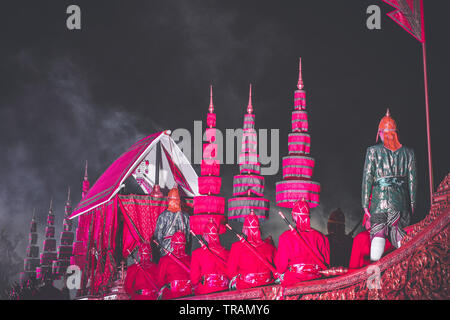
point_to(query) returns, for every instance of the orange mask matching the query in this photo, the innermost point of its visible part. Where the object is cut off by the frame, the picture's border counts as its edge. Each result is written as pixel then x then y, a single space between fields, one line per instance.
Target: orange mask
pixel 389 128
pixel 174 200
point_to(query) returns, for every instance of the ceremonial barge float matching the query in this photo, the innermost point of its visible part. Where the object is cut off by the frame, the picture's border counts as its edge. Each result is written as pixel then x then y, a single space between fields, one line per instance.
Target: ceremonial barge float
pixel 112 223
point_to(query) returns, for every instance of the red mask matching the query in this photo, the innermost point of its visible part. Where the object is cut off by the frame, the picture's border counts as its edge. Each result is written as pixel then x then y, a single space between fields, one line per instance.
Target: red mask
pixel 173 197
pixel 251 228
pixel 145 253
pixel 178 243
pixel 389 128
pixel 211 234
pixel 300 214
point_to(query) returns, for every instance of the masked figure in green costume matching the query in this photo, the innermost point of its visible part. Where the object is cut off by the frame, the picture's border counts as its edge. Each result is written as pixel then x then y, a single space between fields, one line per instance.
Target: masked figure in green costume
pixel 388 188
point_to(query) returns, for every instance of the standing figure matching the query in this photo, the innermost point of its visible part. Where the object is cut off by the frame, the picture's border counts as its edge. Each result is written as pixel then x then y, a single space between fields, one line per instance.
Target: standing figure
pixel 293 258
pixel 243 264
pixel 389 185
pixel 170 221
pixel 208 268
pixel 340 242
pixel 173 274
pixel 140 281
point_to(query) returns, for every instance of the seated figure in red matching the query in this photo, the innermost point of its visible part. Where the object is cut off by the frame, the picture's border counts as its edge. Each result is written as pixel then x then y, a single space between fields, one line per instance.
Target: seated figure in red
pixel 361 247
pixel 140 281
pixel 243 265
pixel 293 257
pixel 173 274
pixel 208 270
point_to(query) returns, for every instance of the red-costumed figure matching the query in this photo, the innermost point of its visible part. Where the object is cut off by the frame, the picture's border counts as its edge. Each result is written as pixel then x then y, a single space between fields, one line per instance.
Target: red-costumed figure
pixel 208 270
pixel 243 264
pixel 140 282
pixel 173 274
pixel 294 258
pixel 360 256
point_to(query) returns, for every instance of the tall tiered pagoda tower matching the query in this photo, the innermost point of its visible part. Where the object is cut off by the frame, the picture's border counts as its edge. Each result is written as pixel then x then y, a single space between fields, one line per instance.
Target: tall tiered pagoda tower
pixel 248 185
pixel 66 242
pixel 44 272
pixel 31 261
pixel 209 205
pixel 298 165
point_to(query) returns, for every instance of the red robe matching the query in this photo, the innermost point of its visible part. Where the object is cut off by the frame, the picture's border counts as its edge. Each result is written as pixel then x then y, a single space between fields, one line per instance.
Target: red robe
pixel 170 272
pixel 205 266
pixel 138 279
pixel 292 252
pixel 361 250
pixel 245 263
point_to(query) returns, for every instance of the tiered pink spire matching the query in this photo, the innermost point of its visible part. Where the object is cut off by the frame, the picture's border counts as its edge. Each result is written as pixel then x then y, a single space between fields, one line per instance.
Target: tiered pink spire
pixel 79 250
pixel 44 272
pixel 250 106
pixel 248 186
pixel 209 205
pixel 300 76
pixel 31 262
pixel 66 242
pixel 298 166
pixel 211 104
pixel 85 181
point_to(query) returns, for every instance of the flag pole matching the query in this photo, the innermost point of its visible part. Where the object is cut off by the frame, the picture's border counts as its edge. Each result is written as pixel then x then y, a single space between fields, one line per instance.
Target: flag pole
pixel 427 106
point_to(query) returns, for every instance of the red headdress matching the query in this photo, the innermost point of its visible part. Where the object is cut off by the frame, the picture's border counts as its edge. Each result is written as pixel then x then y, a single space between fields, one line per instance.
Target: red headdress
pixel 174 200
pixel 300 214
pixel 145 252
pixel 211 234
pixel 389 128
pixel 251 228
pixel 178 243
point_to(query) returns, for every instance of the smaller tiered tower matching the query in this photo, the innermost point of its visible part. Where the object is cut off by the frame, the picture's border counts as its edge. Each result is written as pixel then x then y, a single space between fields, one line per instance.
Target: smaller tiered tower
pixel 80 245
pixel 44 272
pixel 66 242
pixel 298 166
pixel 248 186
pixel 31 262
pixel 209 205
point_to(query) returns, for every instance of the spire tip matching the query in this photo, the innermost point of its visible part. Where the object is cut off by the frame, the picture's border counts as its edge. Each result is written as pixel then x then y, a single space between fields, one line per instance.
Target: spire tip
pixel 300 76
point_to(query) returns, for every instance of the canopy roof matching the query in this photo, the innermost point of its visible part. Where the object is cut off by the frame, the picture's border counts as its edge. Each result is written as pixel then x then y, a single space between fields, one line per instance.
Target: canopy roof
pixel 140 162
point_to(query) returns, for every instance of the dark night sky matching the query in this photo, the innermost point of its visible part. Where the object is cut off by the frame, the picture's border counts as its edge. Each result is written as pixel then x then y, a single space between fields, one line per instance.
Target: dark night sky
pixel 141 66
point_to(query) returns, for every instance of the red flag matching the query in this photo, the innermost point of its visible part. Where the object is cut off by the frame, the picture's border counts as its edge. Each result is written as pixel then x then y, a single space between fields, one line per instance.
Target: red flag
pixel 409 15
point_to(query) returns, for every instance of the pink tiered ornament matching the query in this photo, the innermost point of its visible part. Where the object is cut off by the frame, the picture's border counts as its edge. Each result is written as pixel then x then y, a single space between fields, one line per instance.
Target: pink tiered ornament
pixel 248 186
pixel 298 167
pixel 209 205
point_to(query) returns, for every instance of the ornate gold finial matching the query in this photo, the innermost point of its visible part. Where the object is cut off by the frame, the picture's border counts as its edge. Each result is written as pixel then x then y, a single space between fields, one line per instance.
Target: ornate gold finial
pixel 300 77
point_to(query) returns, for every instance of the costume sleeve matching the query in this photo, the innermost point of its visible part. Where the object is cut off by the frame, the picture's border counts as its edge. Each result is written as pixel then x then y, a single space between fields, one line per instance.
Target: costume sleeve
pixel 326 250
pixel 232 262
pixel 368 177
pixel 412 180
pixel 129 280
pixel 195 267
pixel 282 256
pixel 162 271
pixel 159 229
pixel 355 258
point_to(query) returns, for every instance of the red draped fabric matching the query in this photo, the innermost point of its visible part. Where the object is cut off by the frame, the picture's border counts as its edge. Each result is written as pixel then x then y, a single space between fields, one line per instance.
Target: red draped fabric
pixel 103 239
pixel 140 214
